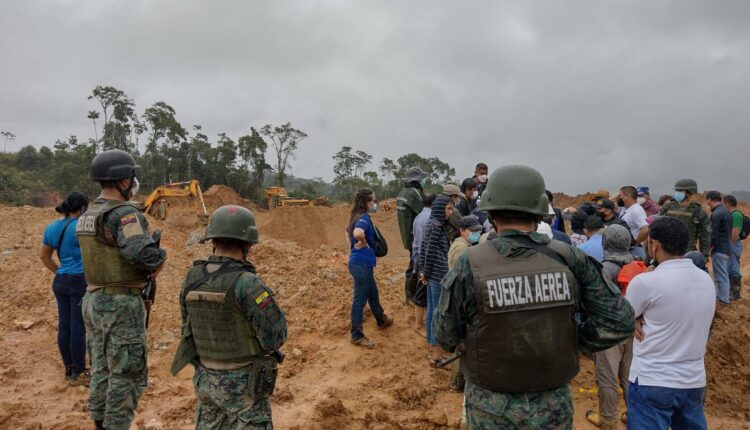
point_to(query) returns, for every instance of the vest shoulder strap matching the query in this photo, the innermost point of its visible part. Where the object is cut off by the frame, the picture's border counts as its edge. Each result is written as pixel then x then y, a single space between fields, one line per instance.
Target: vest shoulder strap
pixel 226 267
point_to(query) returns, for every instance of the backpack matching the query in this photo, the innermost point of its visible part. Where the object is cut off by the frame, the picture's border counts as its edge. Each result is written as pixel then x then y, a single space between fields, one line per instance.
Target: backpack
pixel 745 229
pixel 628 272
pixel 381 246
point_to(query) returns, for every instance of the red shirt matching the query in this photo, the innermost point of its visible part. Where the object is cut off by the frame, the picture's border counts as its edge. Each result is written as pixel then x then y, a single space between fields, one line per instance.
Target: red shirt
pixel 651 207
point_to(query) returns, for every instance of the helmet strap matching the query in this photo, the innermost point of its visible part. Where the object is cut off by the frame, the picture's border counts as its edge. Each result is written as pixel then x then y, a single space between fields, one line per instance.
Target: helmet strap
pixel 125 192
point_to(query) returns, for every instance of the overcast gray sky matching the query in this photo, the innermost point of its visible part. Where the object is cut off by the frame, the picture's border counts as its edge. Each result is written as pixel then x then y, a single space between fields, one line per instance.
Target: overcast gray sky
pixel 592 93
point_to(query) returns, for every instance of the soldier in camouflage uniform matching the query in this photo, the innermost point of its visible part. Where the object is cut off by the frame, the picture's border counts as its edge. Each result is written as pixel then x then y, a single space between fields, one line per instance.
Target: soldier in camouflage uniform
pixel 232 329
pixel 118 257
pixel 522 305
pixel 409 204
pixel 687 209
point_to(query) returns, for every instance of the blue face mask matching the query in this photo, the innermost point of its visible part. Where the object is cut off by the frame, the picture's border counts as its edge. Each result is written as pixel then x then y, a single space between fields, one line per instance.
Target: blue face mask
pixel 679 196
pixel 423 181
pixel 373 208
pixel 474 236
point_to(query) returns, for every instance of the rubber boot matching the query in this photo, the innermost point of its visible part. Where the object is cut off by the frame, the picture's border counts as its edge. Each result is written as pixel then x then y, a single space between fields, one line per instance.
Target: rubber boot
pixel 735 287
pixel 99 425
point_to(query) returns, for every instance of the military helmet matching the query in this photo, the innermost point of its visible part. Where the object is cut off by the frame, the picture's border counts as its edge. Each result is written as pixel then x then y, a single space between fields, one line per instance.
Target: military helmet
pixel 687 184
pixel 112 165
pixel 516 188
pixel 232 222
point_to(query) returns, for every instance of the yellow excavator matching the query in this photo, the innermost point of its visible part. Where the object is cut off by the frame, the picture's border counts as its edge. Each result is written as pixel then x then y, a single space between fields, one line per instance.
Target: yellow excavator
pixel 156 205
pixel 279 197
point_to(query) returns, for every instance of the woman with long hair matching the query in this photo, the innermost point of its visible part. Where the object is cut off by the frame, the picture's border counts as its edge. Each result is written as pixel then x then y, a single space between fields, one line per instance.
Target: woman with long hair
pixel 69 285
pixel 362 262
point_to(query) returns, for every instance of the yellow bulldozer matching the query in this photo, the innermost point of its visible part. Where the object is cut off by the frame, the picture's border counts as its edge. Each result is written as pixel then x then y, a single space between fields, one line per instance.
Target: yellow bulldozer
pixel 279 197
pixel 156 204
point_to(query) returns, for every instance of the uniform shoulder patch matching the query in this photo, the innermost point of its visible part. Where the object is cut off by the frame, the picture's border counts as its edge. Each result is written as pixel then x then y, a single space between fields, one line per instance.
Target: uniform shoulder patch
pixel 127 219
pixel 264 299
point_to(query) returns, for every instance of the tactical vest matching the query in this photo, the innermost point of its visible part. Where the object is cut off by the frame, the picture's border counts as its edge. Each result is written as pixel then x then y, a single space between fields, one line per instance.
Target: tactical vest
pixel 689 216
pixel 524 334
pixel 102 263
pixel 221 332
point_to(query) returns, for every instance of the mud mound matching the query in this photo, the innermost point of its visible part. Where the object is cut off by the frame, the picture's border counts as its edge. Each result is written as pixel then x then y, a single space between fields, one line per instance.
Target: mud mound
pixel 220 195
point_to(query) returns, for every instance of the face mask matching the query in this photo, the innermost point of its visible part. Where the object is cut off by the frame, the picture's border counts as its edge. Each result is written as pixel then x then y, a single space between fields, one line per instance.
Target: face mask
pixel 373 208
pixel 621 203
pixel 135 187
pixel 482 178
pixel 474 236
pixel 474 195
pixel 640 200
pixel 679 196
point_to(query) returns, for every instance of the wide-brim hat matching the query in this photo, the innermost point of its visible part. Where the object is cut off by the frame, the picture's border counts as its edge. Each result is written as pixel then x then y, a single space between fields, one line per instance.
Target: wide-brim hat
pixel 415 174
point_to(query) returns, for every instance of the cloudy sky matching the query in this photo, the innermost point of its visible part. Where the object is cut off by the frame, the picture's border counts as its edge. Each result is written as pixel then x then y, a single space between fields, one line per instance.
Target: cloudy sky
pixel 593 94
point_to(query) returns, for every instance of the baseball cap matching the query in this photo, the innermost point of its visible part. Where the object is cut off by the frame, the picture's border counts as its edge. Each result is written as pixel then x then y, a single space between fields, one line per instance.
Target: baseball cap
pixel 470 222
pixel 451 190
pixel 643 190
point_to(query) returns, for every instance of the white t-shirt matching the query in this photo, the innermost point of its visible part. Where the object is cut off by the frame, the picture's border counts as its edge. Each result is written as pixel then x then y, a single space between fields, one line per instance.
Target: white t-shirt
pixel 635 216
pixel 677 302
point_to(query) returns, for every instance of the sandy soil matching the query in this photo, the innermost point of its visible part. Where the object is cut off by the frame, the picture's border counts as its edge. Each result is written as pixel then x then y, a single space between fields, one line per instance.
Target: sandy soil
pixel 325 382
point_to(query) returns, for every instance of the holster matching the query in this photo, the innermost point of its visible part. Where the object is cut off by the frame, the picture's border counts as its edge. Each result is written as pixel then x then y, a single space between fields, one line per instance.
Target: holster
pixel 262 381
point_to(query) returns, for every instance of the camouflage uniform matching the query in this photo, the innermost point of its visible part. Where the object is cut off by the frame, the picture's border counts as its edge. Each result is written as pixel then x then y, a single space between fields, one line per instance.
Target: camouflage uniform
pixel 223 400
pixel 697 221
pixel 607 319
pixel 115 323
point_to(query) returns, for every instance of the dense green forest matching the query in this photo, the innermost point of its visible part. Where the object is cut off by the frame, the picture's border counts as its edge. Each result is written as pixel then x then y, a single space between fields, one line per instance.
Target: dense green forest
pixel 169 152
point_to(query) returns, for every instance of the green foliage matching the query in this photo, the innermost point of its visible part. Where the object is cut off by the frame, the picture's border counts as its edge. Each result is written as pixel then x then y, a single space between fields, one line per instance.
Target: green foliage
pixel 13 189
pixel 284 140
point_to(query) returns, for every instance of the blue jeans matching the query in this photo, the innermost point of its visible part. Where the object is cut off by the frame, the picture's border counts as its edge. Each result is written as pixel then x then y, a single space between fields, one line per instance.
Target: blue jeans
pixel 657 408
pixel 734 260
pixel 71 331
pixel 433 298
pixel 365 292
pixel 720 263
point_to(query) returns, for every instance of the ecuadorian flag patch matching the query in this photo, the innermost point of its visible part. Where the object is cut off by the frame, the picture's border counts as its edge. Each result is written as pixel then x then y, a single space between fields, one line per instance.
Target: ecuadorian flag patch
pixel 263 299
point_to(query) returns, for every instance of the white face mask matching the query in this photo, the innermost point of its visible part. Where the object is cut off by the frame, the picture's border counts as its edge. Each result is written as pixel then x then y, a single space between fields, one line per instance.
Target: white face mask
pixel 136 186
pixel 640 200
pixel 474 195
pixel 482 178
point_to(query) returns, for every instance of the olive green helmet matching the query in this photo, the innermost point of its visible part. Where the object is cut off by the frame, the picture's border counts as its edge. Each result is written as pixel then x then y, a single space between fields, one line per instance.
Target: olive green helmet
pixel 687 184
pixel 232 222
pixel 516 188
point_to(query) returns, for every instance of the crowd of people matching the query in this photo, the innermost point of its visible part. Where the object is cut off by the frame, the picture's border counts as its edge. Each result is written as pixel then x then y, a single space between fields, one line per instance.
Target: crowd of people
pixel 654 254
pixel 504 284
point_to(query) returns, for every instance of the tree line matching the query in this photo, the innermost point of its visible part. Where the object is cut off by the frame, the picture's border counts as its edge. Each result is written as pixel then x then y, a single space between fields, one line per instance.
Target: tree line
pixel 169 152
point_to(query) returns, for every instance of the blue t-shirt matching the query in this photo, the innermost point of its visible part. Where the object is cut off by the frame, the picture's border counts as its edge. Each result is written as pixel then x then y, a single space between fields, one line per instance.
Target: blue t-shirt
pixel 364 256
pixel 593 247
pixel 69 251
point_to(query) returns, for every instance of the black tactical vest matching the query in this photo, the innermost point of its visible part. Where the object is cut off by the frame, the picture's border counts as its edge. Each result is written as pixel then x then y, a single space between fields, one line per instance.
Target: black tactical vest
pixel 524 335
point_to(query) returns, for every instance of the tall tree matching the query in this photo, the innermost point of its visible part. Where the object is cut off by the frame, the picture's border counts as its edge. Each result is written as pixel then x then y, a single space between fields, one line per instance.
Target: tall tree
pixel 119 115
pixel 285 140
pixel 348 166
pixel 93 115
pixel 252 150
pixel 9 137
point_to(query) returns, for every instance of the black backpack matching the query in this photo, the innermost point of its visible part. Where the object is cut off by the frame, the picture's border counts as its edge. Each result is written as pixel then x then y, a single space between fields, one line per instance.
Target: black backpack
pixel 381 246
pixel 745 229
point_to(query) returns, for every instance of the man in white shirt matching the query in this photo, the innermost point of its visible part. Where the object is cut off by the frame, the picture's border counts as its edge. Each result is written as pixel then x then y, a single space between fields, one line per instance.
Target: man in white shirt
pixel 635 216
pixel 675 303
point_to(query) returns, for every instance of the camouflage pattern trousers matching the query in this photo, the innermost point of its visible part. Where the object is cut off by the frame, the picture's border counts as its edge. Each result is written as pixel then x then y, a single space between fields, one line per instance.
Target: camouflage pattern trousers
pixel 116 339
pixel 224 402
pixel 489 410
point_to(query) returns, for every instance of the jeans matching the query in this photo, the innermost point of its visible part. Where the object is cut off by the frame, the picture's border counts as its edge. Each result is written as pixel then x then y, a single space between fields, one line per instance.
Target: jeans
pixel 71 331
pixel 720 263
pixel 734 260
pixel 365 292
pixel 433 297
pixel 661 408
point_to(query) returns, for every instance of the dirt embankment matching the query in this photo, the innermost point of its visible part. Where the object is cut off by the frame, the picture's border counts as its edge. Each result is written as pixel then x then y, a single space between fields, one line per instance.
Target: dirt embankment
pixel 325 383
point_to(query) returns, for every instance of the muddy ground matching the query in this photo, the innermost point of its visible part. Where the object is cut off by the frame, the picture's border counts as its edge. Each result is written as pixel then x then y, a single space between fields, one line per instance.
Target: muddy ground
pixel 325 382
